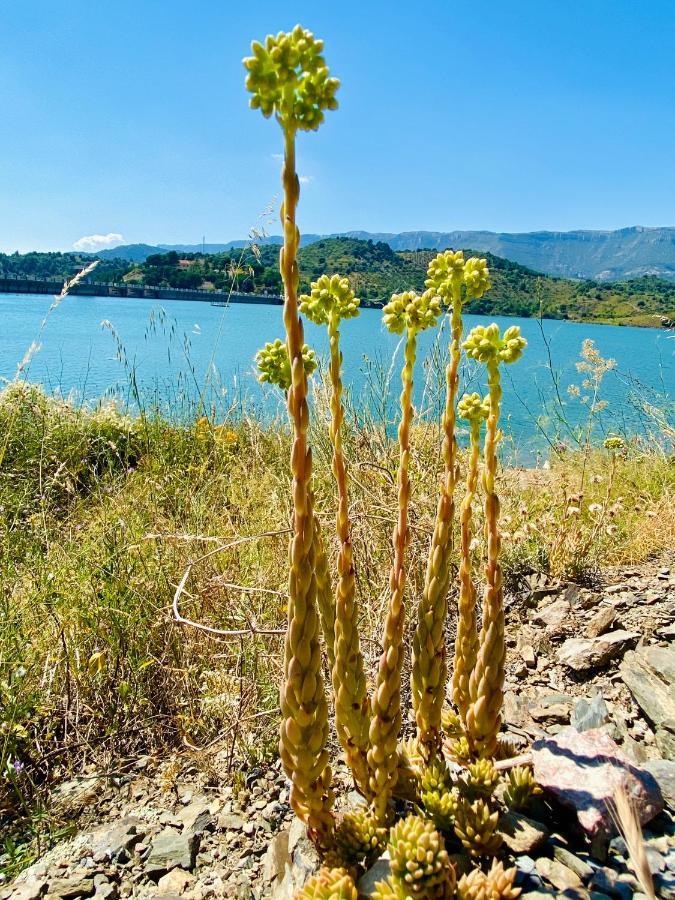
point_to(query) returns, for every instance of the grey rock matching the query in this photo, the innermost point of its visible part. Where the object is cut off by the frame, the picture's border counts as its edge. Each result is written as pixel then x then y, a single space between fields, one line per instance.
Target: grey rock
pixel 522 835
pixel 230 822
pixel 663 771
pixel 665 741
pixel 276 857
pixel 555 616
pixel 169 849
pixel 589 714
pixel 115 843
pixel 585 654
pixel 649 674
pixel 611 882
pixel 380 871
pixel 30 890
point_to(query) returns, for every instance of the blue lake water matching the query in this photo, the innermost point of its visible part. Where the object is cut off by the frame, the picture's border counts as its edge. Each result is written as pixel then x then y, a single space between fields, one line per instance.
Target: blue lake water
pixel 169 353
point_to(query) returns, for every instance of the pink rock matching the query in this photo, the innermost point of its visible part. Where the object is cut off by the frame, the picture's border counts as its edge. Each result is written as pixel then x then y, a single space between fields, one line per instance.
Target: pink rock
pixel 584 769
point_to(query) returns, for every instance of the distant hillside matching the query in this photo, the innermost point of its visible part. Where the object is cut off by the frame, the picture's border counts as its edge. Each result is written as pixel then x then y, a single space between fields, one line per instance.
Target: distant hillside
pixel 599 255
pixel 376 271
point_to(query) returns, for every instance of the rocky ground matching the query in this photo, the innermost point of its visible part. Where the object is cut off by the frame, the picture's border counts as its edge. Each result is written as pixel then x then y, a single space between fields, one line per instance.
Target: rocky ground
pixel 590 690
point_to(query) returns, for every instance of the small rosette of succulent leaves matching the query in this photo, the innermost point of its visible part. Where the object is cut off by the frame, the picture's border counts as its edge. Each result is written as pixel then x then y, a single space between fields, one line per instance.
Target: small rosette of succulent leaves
pixel 420 866
pixel 287 76
pixel 485 344
pixel 274 366
pixel 497 884
pixel 331 299
pixel 521 788
pixel 329 884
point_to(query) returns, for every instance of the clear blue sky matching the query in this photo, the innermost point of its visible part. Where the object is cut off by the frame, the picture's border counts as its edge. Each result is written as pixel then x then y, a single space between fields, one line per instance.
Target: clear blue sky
pixel 130 117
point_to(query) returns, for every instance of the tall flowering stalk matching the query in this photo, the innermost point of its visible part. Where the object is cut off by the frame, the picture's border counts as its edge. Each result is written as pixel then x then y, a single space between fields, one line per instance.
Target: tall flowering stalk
pixel 275 368
pixel 486 683
pixel 330 302
pixel 288 77
pixel 454 281
pixel 475 411
pixel 407 314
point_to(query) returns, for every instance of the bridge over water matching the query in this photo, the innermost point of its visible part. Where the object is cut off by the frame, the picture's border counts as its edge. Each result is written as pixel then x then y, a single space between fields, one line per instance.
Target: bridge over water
pixel 25 285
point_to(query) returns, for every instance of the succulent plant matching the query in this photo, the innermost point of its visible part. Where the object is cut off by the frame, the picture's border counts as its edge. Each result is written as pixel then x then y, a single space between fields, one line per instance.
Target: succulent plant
pixel 360 838
pixel 497 884
pixel 389 889
pixel 521 788
pixel 486 682
pixel 287 76
pixel 479 779
pixel 329 884
pixel 411 314
pixel 437 794
pixel 330 301
pixel 453 280
pixel 476 827
pixel 419 860
pixel 452 724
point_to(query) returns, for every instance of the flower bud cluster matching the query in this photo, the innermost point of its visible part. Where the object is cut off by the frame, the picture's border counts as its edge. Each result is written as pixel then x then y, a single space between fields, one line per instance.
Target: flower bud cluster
pixel 331 296
pixel 287 75
pixel 411 312
pixel 449 271
pixel 486 344
pixel 274 366
pixel 473 407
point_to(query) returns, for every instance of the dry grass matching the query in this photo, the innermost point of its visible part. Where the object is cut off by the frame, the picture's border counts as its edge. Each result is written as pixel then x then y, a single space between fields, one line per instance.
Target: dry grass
pixel 102 514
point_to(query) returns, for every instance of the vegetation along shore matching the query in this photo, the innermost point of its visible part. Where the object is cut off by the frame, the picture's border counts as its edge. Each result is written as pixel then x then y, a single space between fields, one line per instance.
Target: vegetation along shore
pixel 374 271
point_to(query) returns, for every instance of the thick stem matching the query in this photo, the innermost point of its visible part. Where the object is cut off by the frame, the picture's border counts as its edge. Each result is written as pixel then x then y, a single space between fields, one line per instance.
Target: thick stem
pixel 304 725
pixel 349 680
pixel 486 684
pixel 385 724
pixel 466 642
pixel 429 670
pixel 324 593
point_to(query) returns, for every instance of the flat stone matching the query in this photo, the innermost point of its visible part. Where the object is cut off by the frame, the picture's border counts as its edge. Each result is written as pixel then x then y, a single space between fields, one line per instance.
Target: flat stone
pixel 665 741
pixel 30 890
pixel 276 857
pixel 583 770
pixel 588 714
pixel 76 886
pixel 569 859
pixel 170 849
pixel 555 616
pixel 522 835
pixel 649 674
pixel 175 881
pixel 601 622
pixel 230 822
pixel 663 771
pixel 558 874
pixel 528 656
pixel 585 654
pixel 114 844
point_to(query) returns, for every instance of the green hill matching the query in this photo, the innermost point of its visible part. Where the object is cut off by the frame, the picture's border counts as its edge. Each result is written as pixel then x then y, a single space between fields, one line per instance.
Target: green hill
pixel 376 271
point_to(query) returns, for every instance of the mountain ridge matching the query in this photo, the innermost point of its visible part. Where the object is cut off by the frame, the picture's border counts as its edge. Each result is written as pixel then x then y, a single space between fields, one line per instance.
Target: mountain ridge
pixel 601 255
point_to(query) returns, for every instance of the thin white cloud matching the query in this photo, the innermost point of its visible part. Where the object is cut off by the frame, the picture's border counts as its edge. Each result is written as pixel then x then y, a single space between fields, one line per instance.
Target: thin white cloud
pixel 305 179
pixel 277 156
pixel 90 243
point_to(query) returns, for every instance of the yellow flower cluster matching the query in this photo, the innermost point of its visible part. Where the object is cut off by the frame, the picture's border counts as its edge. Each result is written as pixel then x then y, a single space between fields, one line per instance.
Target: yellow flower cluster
pixel 411 312
pixel 274 367
pixel 287 75
pixel 485 344
pixel 449 271
pixel 331 297
pixel 473 407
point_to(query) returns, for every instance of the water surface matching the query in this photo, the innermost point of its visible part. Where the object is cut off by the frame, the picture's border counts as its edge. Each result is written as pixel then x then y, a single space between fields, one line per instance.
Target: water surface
pixel 166 352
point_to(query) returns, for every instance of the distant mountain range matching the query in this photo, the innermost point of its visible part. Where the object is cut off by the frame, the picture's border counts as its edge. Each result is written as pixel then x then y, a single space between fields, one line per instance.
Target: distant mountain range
pixel 599 255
